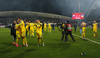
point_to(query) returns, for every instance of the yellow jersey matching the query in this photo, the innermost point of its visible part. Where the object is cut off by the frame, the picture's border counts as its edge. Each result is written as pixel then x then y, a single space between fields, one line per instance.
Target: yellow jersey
pixel 49 25
pixel 39 27
pixel 17 27
pixel 31 25
pixel 45 24
pixel 22 25
pixel 27 27
pixel 94 25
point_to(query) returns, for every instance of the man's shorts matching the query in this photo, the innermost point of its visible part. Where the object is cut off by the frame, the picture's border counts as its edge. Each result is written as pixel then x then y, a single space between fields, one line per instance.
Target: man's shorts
pixel 83 29
pixel 23 33
pixel 39 34
pixel 31 30
pixel 18 34
pixel 45 27
pixel 49 28
pixel 94 30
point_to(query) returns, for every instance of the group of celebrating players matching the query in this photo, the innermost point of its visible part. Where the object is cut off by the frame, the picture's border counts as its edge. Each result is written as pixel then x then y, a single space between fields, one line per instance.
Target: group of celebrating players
pixel 22 30
pixel 94 28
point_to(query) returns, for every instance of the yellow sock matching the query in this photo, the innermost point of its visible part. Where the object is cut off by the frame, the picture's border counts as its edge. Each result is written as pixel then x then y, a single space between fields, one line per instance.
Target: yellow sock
pixel 94 34
pixel 33 33
pixel 42 41
pixel 39 41
pixel 17 41
pixel 23 41
pixel 50 30
pixel 28 33
pixel 45 29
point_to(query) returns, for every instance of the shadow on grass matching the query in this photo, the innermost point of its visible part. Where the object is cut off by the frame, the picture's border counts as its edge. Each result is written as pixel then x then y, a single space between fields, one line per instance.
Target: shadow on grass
pixel 84 39
pixel 64 45
pixel 97 38
pixel 7 48
pixel 58 46
pixel 23 54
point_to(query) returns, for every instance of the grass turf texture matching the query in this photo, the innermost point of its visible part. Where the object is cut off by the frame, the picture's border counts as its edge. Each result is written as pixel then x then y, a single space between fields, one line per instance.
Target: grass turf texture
pixel 55 48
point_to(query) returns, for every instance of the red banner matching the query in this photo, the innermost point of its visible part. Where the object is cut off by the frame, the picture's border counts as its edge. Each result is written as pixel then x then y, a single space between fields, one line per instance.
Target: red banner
pixel 77 15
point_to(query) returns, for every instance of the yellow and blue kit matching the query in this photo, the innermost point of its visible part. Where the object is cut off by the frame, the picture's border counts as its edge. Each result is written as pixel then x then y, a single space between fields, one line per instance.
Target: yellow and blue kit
pixel 45 25
pixel 49 27
pixel 31 29
pixel 23 31
pixel 39 33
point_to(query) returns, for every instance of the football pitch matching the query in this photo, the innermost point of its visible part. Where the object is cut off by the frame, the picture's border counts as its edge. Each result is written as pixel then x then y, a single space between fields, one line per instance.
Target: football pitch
pixel 55 48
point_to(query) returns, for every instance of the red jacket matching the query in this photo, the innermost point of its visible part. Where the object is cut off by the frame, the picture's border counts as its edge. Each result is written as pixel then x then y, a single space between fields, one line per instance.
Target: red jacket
pixel 69 27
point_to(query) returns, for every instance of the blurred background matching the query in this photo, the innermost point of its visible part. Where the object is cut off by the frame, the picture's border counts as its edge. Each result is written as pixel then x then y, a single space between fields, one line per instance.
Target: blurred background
pixel 53 11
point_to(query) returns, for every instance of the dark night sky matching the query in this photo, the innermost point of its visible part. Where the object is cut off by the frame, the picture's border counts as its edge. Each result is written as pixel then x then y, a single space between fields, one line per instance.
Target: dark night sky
pixel 62 7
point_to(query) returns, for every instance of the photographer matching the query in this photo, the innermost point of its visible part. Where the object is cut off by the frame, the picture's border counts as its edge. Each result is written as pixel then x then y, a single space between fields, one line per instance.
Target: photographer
pixel 62 28
pixel 68 28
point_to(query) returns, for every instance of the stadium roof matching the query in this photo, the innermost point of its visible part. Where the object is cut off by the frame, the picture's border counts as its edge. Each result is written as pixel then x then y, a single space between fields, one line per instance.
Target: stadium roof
pixel 30 13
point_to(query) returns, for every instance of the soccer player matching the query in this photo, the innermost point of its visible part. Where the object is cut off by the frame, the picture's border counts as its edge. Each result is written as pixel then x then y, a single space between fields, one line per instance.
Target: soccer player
pixel 45 25
pixel 83 28
pixel 95 26
pixel 18 32
pixel 32 29
pixel 27 28
pixel 49 27
pixel 39 32
pixel 23 30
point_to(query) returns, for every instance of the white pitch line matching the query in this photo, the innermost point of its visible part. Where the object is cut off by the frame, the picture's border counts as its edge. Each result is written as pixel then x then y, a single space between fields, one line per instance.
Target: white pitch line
pixel 87 39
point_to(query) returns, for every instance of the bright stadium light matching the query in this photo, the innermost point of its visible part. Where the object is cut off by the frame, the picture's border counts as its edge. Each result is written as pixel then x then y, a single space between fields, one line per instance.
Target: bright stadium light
pixel 99 2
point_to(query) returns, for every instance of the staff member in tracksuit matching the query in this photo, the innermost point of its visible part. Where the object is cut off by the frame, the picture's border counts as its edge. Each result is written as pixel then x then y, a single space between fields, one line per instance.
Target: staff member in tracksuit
pixel 75 27
pixel 13 32
pixel 69 31
pixel 53 26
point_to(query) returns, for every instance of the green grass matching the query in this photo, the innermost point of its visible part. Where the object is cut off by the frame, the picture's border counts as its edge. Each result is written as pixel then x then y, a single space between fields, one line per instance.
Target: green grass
pixel 55 48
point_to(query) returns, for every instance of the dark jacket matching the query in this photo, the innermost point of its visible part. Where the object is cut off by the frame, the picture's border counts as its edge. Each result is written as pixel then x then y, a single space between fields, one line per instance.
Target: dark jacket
pixel 13 31
pixel 64 28
pixel 75 26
